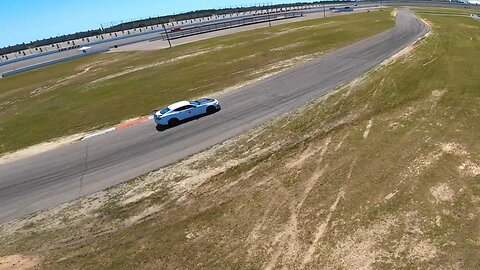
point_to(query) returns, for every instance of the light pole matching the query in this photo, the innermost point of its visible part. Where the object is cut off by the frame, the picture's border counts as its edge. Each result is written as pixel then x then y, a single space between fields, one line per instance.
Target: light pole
pixel 268 15
pixel 324 14
pixel 166 34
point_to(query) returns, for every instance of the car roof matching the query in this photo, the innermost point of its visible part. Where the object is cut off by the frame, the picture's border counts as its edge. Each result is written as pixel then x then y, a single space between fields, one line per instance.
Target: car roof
pixel 178 105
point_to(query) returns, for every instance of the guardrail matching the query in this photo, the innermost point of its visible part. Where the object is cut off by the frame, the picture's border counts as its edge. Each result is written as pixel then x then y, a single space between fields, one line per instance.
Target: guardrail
pixel 51 62
pixel 11 61
pixel 217 26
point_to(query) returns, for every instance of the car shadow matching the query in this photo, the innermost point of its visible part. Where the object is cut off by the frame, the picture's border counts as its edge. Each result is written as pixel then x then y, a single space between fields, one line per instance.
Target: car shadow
pixel 161 128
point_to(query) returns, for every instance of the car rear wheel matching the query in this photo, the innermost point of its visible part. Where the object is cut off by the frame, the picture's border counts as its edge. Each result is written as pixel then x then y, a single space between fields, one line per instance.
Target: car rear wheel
pixel 211 109
pixel 173 122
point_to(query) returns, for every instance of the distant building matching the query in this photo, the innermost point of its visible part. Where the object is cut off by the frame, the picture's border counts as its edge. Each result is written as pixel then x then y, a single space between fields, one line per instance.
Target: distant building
pixel 474 2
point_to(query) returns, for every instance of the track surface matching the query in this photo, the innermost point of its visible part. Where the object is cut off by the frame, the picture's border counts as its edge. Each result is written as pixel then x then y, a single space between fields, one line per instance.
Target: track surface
pixel 57 176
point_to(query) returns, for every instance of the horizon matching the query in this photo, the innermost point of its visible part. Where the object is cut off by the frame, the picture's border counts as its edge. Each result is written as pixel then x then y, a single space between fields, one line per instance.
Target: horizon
pixel 53 18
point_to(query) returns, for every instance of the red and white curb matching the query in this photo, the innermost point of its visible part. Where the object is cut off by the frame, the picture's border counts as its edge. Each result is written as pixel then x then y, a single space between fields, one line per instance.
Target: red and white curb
pixel 118 127
pixel 133 122
pixel 101 132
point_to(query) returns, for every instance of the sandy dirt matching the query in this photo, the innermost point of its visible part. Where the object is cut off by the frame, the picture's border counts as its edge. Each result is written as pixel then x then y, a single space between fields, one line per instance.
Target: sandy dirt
pixel 322 228
pixel 442 193
pixel 469 168
pixel 367 129
pixel 40 148
pixel 66 80
pixel 139 68
pixel 18 262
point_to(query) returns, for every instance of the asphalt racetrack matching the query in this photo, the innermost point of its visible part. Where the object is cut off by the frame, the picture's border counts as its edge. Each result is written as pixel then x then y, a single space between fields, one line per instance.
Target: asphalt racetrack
pixel 48 179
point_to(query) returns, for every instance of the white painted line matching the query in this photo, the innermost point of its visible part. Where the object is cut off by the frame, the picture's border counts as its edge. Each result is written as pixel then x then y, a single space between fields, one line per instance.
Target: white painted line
pixel 98 133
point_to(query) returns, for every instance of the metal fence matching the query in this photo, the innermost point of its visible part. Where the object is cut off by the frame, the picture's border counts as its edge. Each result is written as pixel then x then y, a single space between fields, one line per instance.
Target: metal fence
pixel 180 32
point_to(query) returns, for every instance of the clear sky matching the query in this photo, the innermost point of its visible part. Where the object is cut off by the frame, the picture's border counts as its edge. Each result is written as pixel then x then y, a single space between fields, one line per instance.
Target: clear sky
pixel 29 20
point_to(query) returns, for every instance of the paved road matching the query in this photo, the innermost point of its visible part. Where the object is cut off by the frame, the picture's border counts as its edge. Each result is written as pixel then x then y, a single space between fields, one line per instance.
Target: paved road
pixel 57 176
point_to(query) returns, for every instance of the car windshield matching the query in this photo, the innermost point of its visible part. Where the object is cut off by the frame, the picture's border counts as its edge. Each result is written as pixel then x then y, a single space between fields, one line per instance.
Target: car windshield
pixel 203 100
pixel 164 110
pixel 195 103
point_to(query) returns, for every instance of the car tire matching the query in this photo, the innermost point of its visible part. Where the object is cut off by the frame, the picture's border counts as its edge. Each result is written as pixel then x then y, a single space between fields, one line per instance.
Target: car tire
pixel 211 109
pixel 173 122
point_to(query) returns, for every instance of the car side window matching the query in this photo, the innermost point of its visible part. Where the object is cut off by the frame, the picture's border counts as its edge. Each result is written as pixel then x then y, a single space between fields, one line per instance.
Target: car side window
pixel 186 107
pixel 179 109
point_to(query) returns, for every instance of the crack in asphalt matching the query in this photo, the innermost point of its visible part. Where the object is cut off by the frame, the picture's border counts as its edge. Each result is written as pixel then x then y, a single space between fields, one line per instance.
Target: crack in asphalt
pixel 85 169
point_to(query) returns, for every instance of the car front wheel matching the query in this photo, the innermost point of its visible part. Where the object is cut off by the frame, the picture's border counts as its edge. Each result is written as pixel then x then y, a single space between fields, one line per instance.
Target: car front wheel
pixel 211 109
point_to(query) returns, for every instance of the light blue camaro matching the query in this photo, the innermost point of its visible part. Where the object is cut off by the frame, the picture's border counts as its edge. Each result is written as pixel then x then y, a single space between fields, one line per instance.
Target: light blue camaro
pixel 183 110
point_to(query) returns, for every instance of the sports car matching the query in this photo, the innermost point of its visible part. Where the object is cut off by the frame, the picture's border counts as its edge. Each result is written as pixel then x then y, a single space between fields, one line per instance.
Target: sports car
pixel 183 110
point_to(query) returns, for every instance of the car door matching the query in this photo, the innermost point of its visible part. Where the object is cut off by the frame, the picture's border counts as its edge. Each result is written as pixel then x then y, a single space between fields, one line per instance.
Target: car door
pixel 190 111
pixel 197 110
pixel 184 112
pixel 180 113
